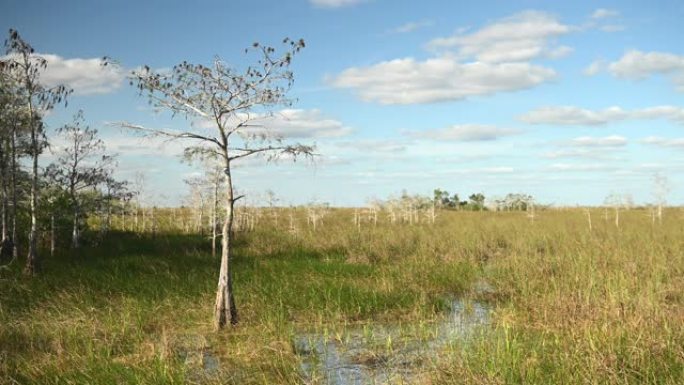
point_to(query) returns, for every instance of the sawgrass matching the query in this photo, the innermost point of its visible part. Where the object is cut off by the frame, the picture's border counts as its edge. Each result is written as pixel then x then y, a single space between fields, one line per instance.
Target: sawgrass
pixel 570 306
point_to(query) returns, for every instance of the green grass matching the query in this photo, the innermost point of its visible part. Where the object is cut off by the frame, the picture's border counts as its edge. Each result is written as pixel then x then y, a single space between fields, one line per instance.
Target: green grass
pixel 570 306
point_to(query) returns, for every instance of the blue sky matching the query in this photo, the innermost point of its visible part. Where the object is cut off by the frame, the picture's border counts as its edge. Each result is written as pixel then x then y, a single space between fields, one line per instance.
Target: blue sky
pixel 567 101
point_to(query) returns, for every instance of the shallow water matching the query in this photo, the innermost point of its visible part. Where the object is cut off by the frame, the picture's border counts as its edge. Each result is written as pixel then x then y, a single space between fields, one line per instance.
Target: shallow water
pixel 385 353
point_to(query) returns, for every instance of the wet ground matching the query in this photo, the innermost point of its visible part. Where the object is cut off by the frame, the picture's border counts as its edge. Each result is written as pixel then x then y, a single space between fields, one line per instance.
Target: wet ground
pixel 386 353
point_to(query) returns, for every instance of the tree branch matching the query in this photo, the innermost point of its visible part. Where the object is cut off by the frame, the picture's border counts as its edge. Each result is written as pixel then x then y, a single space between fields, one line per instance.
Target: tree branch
pixel 164 133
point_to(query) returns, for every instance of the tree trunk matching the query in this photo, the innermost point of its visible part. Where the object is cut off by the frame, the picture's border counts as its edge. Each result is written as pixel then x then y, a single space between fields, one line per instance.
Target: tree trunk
pixel 154 223
pixel 214 217
pixel 32 260
pixel 52 235
pixel 660 213
pixel 225 311
pixel 6 243
pixel 13 148
pixel 122 217
pixel 3 191
pixel 75 233
pixel 108 220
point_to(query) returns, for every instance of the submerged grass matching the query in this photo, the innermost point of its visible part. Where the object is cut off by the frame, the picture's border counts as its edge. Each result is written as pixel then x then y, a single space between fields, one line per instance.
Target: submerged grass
pixel 570 306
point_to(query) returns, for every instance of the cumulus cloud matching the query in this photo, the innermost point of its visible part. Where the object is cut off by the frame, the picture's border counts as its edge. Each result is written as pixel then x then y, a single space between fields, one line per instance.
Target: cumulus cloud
pixel 569 115
pixel 606 141
pixel 595 67
pixel 84 76
pixel 411 26
pixel 129 145
pixel 408 81
pixel 576 116
pixel 287 124
pixel 588 147
pixel 495 58
pixel 604 20
pixel 465 133
pixel 305 124
pixel 374 145
pixel 603 13
pixel 638 65
pixel 520 37
pixel 580 167
pixel 574 153
pixel 334 3
pixel 664 142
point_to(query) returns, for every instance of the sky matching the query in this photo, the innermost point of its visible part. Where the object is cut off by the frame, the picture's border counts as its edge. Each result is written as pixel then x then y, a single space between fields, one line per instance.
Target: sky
pixel 567 101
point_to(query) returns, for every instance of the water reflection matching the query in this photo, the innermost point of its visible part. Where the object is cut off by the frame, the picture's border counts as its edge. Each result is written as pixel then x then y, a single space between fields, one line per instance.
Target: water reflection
pixel 385 354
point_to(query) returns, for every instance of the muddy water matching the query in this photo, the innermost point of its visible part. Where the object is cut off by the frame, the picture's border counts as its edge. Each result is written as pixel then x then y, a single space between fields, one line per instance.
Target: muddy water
pixel 385 354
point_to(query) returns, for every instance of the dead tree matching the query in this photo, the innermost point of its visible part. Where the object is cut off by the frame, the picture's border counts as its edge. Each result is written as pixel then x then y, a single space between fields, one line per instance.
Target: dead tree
pixel 25 67
pixel 81 165
pixel 236 104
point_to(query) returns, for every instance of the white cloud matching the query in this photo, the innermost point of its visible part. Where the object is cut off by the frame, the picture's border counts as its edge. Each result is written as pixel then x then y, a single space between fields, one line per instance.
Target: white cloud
pixel 574 153
pixel 606 141
pixel 305 124
pixel 374 145
pixel 495 58
pixel 411 26
pixel 465 133
pixel 84 76
pixel 288 124
pixel 334 3
pixel 588 147
pixel 580 167
pixel 130 145
pixel 603 13
pixel 595 67
pixel 676 114
pixel 600 18
pixel 520 37
pixel 664 142
pixel 559 52
pixel 638 65
pixel 570 115
pixel 407 81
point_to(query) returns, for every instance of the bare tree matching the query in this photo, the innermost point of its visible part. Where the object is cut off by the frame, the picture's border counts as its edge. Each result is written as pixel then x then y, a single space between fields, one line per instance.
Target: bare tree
pixel 272 201
pixel 25 67
pixel 236 103
pixel 113 190
pixel 81 164
pixel 617 202
pixel 661 187
pixel 140 196
pixel 215 178
pixel 8 118
pixel 198 199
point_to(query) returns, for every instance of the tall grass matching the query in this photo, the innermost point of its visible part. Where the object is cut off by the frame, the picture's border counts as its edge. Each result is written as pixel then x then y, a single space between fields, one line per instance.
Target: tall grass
pixel 570 305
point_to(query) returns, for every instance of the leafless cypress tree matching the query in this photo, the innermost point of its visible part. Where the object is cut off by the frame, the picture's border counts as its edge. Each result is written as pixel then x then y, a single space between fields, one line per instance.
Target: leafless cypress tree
pixel 661 187
pixel 81 164
pixel 113 191
pixel 236 103
pixel 25 67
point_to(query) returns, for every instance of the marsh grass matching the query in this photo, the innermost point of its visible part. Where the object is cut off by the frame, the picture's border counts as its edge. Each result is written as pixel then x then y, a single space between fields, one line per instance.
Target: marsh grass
pixel 571 306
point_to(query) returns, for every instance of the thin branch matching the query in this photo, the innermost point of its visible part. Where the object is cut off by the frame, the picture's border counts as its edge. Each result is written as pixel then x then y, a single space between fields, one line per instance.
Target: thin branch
pixel 307 150
pixel 165 133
